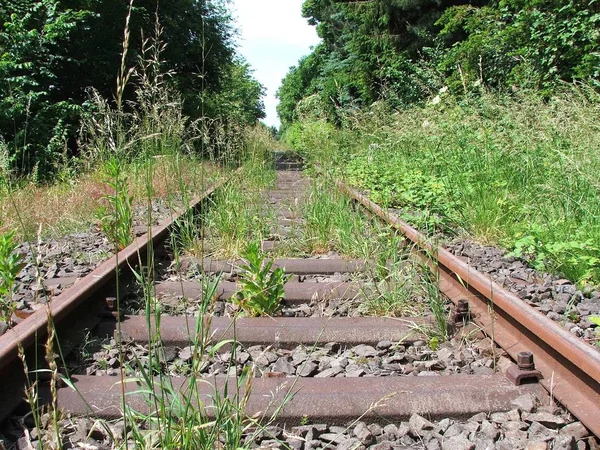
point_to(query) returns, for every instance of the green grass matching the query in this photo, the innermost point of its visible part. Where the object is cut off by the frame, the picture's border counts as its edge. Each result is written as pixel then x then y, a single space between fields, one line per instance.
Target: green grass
pixel 516 172
pixel 395 285
pixel 11 264
pixel 332 224
pixel 233 218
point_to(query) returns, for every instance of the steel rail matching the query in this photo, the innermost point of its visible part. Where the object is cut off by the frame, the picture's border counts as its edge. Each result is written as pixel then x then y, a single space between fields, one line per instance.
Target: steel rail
pixel 27 332
pixel 570 367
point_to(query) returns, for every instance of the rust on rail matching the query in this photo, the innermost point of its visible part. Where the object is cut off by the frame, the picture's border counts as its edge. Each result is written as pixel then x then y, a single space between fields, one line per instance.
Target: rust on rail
pixel 26 332
pixel 569 366
pixel 31 331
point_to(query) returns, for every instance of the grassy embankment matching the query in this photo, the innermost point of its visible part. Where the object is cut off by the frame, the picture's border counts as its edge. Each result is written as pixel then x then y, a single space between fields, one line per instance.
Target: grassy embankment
pixel 516 172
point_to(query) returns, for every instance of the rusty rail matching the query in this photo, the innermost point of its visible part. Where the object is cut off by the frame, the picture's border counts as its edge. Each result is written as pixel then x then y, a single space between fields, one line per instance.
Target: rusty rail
pixel 26 332
pixel 570 367
pixel 72 301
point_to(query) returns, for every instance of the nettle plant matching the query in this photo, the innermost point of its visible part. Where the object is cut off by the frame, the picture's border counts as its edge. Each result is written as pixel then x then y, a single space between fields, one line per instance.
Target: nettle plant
pixel 261 289
pixel 11 264
pixel 577 260
pixel 423 198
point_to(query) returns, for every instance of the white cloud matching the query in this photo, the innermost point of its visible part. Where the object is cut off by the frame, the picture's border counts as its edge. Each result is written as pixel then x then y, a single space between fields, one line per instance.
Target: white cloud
pixel 274 35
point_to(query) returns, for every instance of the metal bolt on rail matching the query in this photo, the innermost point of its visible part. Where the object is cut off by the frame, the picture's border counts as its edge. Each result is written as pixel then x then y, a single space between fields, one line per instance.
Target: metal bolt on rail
pixel 462 313
pixel 110 309
pixel 524 371
pixel 525 361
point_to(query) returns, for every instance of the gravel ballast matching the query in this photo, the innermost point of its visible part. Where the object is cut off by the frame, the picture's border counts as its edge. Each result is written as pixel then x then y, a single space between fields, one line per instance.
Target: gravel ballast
pixel 456 356
pixel 529 426
pixel 559 299
pixel 52 265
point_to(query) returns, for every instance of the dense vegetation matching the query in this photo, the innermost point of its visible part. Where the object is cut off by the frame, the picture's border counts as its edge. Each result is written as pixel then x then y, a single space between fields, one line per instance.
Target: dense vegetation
pixel 475 116
pixel 405 51
pixel 54 53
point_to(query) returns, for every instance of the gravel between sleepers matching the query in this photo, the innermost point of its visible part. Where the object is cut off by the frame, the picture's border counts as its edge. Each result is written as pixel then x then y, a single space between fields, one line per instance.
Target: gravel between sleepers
pixel 460 355
pixel 528 426
pixel 53 264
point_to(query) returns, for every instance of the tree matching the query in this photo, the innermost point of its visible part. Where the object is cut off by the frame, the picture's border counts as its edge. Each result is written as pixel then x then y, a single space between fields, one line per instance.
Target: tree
pixel 240 99
pixel 300 82
pixel 36 118
pixel 54 52
pixel 523 43
pixel 403 51
pixel 366 55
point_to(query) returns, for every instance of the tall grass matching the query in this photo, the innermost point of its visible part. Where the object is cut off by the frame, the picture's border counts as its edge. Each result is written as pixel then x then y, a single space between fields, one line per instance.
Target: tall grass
pixel 178 417
pixel 236 215
pixel 519 172
pixel 159 153
pixel 396 285
pixel 332 224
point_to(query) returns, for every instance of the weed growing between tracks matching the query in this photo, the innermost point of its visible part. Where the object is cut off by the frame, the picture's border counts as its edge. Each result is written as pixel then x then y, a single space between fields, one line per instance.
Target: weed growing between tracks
pixel 261 289
pixel 330 222
pixel 334 224
pixel 397 285
pixel 232 220
pixel 236 215
pixel 11 264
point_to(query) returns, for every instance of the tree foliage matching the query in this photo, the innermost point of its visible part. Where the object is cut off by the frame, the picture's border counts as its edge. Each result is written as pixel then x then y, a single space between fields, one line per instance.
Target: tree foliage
pixel 35 115
pixel 52 52
pixel 403 51
pixel 523 43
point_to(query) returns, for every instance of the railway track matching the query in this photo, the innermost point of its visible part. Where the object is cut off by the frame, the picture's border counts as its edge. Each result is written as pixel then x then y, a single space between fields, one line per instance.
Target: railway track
pixel 320 373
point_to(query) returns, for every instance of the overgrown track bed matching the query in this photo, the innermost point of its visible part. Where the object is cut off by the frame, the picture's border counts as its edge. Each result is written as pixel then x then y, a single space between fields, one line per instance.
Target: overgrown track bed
pixel 83 303
pixel 570 368
pixel 362 352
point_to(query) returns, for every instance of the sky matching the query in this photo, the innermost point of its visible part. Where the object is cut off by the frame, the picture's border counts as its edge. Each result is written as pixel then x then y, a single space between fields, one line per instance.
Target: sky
pixel 273 37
